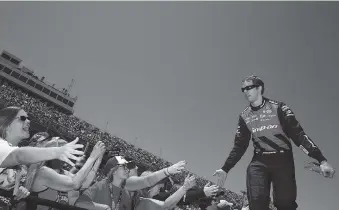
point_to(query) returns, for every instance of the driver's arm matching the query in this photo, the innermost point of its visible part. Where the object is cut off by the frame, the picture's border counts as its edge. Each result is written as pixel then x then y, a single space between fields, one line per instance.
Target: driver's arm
pixel 241 142
pixel 293 129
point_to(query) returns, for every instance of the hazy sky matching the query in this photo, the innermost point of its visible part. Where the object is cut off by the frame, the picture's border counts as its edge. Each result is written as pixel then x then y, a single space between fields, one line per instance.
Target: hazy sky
pixel 170 74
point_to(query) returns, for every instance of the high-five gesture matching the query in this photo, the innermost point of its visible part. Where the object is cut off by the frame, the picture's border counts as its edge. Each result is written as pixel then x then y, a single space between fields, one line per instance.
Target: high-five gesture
pixel 177 168
pixel 98 150
pixel 68 151
pixel 189 182
pixel 222 177
pixel 210 190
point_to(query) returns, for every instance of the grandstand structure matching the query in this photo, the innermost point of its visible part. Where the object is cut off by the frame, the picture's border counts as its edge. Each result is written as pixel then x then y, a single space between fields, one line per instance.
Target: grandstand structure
pixel 12 71
pixel 50 114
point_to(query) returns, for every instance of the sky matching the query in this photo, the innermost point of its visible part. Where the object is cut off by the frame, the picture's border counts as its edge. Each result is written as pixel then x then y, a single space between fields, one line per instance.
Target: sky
pixel 166 76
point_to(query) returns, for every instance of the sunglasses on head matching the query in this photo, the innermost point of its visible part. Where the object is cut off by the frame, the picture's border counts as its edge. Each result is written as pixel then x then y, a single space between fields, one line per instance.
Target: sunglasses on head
pixel 250 87
pixel 24 118
pixel 130 163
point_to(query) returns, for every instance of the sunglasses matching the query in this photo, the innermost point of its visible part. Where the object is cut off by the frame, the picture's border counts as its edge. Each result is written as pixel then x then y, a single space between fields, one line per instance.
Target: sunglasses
pixel 124 166
pixel 250 87
pixel 24 118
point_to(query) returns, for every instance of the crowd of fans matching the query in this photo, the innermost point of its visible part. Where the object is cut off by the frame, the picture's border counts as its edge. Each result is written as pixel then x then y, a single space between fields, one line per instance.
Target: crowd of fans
pixel 70 126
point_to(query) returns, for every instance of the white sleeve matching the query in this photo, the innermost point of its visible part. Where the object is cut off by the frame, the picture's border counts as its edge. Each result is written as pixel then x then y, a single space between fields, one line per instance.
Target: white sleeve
pixel 5 150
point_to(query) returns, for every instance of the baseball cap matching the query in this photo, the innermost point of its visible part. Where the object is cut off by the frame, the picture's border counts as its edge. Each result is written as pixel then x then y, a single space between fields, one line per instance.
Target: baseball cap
pixel 117 160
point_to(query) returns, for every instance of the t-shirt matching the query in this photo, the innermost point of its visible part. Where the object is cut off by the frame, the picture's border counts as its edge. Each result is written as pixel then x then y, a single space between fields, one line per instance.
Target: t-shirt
pixel 7 176
pixel 99 192
pixel 5 150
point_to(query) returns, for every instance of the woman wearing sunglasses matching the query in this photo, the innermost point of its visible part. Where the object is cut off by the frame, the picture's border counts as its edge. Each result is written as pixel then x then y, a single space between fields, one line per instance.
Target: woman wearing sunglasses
pixel 14 127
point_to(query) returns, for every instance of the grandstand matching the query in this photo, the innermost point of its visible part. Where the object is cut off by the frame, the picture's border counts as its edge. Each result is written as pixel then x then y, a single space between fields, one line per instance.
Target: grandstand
pixel 49 114
pixel 13 72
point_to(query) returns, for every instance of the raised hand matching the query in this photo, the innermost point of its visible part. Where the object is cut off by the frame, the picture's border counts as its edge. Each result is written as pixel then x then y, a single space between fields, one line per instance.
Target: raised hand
pixel 98 150
pixel 68 151
pixel 189 182
pixel 210 190
pixel 222 177
pixel 177 168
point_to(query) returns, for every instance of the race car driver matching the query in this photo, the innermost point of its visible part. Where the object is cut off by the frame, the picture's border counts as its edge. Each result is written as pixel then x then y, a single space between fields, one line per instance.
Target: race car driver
pixel 270 124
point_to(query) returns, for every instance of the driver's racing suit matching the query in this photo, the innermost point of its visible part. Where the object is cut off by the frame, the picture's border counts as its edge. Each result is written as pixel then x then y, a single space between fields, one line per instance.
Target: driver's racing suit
pixel 270 126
